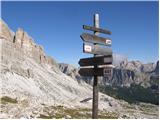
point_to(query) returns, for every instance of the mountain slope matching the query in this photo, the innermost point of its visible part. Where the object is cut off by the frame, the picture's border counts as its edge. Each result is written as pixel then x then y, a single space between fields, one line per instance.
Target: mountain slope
pixel 28 74
pixel 32 71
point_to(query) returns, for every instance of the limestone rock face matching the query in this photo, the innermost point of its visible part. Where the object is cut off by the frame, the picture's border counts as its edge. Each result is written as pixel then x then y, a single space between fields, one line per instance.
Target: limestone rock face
pixel 5 32
pixel 17 47
pixel 19 35
pixel 138 66
pixel 157 68
pixel 70 71
pixel 132 72
pixel 21 44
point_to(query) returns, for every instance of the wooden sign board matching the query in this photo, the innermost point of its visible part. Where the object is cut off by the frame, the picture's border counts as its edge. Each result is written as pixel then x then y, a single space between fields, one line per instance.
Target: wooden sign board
pixel 93 71
pixel 96 29
pixel 95 39
pixel 96 49
pixel 102 60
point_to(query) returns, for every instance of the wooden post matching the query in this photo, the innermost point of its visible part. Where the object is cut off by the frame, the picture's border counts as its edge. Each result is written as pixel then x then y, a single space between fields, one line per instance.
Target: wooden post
pixel 95 82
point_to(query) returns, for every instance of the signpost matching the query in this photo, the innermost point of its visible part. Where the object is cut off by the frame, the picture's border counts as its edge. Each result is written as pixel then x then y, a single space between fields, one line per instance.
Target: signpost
pixel 98 46
pixel 95 81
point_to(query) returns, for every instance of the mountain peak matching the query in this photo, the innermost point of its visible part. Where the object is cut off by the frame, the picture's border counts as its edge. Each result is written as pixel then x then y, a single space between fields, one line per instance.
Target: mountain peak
pixel 21 44
pixel 5 32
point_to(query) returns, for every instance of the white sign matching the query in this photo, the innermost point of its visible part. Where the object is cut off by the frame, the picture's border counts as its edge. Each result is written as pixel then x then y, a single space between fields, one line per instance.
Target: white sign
pixel 87 48
pixel 108 41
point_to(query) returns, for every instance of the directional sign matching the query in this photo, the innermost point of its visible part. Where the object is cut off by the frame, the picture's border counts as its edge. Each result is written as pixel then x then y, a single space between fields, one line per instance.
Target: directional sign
pixel 102 60
pixel 95 39
pixel 91 71
pixel 96 49
pixel 96 29
pixel 97 72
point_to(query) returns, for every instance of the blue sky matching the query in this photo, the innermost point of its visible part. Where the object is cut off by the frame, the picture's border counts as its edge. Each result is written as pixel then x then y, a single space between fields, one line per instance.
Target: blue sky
pixel 57 26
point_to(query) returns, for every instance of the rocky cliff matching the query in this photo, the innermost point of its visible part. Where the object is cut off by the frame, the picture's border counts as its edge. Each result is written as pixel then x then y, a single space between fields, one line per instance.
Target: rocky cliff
pixel 33 86
pixel 133 72
pixel 23 45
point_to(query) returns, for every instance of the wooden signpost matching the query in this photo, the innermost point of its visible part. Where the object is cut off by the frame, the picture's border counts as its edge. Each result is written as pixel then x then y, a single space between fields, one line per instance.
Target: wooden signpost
pixel 98 46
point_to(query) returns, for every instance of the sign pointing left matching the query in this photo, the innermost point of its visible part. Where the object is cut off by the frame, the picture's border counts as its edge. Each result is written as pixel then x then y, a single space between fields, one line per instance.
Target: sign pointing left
pixel 97 71
pixel 95 29
pixel 97 49
pixel 102 60
pixel 95 39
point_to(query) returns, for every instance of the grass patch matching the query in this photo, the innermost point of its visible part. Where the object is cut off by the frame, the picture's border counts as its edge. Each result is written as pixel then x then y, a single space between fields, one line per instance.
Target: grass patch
pixel 60 112
pixel 78 113
pixel 6 99
pixel 59 115
pixel 108 115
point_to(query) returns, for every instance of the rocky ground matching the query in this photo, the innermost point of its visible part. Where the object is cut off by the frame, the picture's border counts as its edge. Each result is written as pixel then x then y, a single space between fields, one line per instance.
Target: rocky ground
pixel 28 108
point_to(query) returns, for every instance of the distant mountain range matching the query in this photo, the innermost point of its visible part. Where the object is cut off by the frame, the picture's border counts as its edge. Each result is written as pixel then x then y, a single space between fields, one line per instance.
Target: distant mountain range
pixel 125 74
pixel 141 79
pixel 35 85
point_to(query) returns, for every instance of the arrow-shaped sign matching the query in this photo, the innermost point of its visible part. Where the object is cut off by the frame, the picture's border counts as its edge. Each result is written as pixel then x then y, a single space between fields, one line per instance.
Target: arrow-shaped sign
pixel 95 39
pixel 97 72
pixel 91 71
pixel 96 29
pixel 96 49
pixel 102 60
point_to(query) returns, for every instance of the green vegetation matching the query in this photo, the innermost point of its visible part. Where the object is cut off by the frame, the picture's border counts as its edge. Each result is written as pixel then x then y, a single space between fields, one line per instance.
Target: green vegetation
pixel 6 99
pixel 132 94
pixel 59 112
pixel 108 115
pixel 154 81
